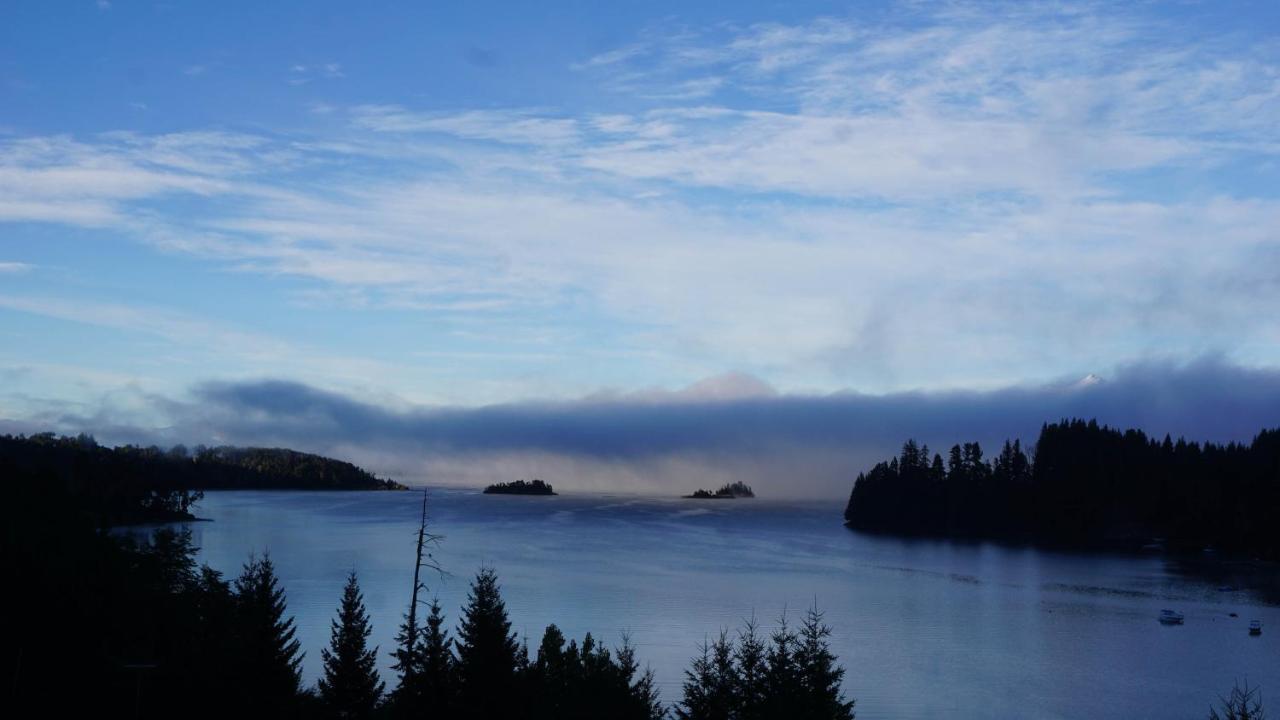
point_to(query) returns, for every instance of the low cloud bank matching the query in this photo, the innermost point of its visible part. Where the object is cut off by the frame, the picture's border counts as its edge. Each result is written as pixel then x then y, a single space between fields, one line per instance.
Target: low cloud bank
pixel 784 445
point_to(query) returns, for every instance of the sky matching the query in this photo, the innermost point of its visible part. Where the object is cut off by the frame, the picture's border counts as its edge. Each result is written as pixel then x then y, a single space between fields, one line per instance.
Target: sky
pixel 625 244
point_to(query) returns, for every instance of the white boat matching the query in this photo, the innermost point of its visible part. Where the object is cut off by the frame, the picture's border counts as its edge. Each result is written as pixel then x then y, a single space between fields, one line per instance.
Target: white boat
pixel 1172 617
pixel 1255 627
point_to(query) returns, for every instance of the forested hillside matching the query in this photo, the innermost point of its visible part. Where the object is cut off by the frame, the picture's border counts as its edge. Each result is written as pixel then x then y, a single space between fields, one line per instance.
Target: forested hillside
pixel 1084 484
pixel 138 484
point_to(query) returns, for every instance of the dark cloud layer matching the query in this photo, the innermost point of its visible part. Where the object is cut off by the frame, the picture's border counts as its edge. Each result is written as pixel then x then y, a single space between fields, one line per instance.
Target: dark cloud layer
pixel 794 445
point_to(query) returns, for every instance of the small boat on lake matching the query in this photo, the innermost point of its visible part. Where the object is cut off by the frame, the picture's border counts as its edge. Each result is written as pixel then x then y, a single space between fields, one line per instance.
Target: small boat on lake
pixel 1255 627
pixel 1171 617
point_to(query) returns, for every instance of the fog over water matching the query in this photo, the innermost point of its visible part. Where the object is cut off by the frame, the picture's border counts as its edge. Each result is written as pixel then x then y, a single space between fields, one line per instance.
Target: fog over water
pixel 925 628
pixel 723 429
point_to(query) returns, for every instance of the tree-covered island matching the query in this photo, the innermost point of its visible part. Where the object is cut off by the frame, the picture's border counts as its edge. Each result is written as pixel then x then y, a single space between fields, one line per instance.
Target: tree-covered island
pixel 728 491
pixel 520 487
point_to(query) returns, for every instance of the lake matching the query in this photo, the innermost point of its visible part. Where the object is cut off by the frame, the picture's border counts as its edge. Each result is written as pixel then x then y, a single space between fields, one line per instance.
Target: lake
pixel 923 628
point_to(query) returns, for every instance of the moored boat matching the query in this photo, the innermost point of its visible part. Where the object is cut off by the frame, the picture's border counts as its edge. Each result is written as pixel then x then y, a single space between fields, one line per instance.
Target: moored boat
pixel 1171 617
pixel 1255 627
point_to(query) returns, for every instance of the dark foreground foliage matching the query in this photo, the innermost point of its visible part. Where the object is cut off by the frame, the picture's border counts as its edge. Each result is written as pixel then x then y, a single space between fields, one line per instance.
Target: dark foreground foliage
pixel 108 627
pixel 791 675
pixel 487 673
pixel 1083 485
pixel 131 484
pixel 103 626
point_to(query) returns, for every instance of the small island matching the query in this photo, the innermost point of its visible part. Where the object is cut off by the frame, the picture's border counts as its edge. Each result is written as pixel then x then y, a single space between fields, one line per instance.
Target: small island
pixel 520 487
pixel 728 492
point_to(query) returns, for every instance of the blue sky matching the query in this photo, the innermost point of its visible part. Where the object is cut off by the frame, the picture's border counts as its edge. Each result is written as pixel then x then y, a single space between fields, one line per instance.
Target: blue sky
pixel 466 204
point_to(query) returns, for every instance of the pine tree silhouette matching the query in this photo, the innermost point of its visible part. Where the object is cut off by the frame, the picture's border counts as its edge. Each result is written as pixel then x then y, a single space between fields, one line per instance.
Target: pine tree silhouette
pixel 269 656
pixel 643 701
pixel 781 678
pixel 350 687
pixel 819 673
pixel 438 684
pixel 709 683
pixel 488 654
pixel 749 657
pixel 428 673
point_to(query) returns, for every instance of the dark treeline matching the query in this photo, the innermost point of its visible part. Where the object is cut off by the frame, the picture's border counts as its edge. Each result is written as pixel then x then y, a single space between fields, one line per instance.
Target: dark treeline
pixel 1083 485
pixel 790 674
pixel 130 484
pixel 520 487
pixel 483 670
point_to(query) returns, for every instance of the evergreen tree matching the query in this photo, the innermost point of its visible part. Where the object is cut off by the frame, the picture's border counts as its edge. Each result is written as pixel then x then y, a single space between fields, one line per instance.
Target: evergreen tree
pixel 438 684
pixel 215 644
pixel 268 655
pixel 488 654
pixel 710 683
pixel 642 699
pixel 428 674
pixel 550 676
pixel 407 698
pixel 350 687
pixel 819 674
pixel 781 680
pixel 752 669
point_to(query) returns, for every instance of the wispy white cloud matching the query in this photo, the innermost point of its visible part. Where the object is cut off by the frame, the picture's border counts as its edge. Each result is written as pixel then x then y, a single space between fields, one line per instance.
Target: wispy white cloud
pixel 181 329
pixel 301 74
pixel 60 179
pixel 951 198
pixel 13 268
pixel 612 57
pixel 517 127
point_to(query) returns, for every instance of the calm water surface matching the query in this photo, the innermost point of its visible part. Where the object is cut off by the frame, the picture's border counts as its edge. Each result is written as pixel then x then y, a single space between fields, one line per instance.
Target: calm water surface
pixel 924 628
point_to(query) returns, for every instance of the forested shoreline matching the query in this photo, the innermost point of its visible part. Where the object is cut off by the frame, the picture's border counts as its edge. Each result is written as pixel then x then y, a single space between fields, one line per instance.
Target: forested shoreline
pixel 121 628
pixel 1083 485
pixel 137 628
pixel 133 484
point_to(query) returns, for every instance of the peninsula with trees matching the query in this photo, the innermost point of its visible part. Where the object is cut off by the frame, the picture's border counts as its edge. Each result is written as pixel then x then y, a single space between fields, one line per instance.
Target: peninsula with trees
pixel 1084 485
pixel 729 491
pixel 130 484
pixel 520 487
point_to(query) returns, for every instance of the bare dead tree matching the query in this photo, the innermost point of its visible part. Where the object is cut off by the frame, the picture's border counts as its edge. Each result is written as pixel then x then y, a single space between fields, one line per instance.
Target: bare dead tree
pixel 427 560
pixel 1242 704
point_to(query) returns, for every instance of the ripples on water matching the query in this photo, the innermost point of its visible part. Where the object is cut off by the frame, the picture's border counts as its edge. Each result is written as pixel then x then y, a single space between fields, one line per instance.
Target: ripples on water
pixel 924 628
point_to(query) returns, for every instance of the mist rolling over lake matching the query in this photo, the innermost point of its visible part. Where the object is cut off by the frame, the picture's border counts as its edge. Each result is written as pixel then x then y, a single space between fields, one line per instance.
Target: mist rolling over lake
pixel 924 628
